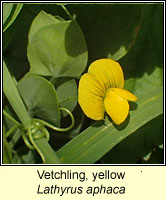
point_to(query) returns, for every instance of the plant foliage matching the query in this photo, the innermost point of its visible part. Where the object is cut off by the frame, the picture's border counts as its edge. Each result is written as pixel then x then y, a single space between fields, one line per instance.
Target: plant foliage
pixel 46 49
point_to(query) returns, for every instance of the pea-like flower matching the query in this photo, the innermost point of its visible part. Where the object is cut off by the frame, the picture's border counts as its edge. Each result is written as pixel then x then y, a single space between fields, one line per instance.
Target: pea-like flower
pixel 101 90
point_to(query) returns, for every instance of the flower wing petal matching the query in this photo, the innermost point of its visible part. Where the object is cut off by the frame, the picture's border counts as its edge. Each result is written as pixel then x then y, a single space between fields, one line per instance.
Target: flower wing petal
pixel 116 107
pixel 108 73
pixel 91 97
pixel 125 94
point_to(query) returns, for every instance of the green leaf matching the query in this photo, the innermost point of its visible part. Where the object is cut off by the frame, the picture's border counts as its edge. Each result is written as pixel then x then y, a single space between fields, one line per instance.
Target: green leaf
pixel 130 32
pixel 98 139
pixel 57 49
pixel 143 65
pixel 49 154
pixel 41 100
pixel 143 69
pixel 137 145
pixel 15 138
pixel 43 19
pixel 110 29
pixel 7 154
pixel 7 8
pixel 13 96
pixel 10 13
pixel 15 38
pixel 67 93
pixel 79 121
pixel 25 157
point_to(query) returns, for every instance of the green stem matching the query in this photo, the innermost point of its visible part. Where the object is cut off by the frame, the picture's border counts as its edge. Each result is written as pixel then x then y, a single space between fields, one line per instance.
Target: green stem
pixel 26 141
pixel 7 155
pixel 67 12
pixel 11 118
pixel 37 138
pixel 57 128
pixel 15 138
pixel 35 145
pixel 11 130
pixel 13 96
pixel 47 152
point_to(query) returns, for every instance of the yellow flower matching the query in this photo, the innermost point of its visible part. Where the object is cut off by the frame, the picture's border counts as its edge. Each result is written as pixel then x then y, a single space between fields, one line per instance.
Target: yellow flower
pixel 101 90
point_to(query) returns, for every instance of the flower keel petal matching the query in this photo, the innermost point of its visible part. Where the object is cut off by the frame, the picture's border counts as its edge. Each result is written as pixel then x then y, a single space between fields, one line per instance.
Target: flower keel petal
pixel 116 107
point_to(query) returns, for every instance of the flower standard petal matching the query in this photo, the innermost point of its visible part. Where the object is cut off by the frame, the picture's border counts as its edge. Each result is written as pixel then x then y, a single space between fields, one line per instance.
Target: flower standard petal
pixel 90 97
pixel 116 106
pixel 108 73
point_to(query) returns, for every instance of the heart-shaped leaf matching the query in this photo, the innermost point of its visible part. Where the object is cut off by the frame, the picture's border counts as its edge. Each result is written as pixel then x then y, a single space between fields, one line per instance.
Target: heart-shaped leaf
pixel 41 100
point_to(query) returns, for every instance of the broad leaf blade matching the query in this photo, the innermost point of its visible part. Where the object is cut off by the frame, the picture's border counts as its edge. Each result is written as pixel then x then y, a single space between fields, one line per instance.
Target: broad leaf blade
pixel 99 138
pixel 43 19
pixel 58 49
pixel 137 145
pixel 67 93
pixel 41 100
pixel 110 29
